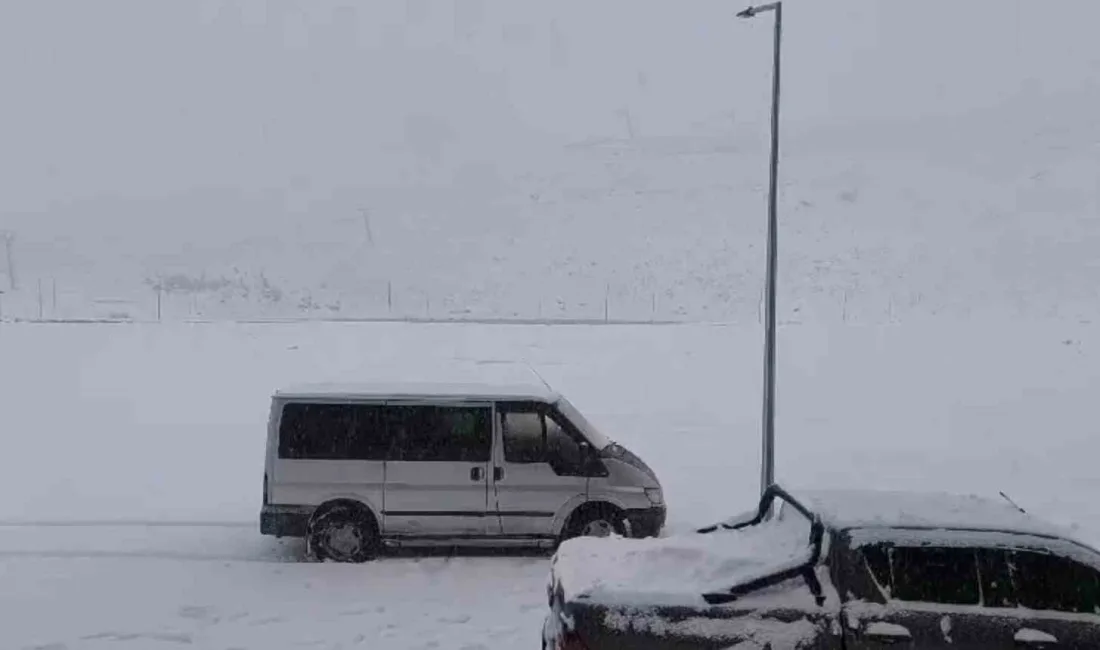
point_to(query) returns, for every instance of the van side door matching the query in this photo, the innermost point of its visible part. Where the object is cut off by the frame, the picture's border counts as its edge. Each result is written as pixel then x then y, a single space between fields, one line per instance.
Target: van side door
pixel 540 468
pixel 437 475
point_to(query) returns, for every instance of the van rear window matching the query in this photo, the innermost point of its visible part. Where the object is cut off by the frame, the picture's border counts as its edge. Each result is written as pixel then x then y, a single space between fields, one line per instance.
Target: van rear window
pixel 311 431
pixel 331 432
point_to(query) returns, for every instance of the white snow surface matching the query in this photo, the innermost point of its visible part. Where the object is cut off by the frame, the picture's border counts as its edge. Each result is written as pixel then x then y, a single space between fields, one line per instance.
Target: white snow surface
pixel 678 569
pixel 523 158
pixel 893 508
pixel 133 455
pixel 407 389
pixel 882 628
pixel 1028 635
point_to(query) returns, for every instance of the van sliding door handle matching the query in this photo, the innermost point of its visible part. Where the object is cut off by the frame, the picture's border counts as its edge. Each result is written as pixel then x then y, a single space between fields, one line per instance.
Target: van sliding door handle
pixel 475 473
pixel 498 473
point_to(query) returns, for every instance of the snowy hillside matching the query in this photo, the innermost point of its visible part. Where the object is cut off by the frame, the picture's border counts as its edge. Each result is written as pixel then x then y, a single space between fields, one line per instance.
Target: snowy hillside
pixel 491 158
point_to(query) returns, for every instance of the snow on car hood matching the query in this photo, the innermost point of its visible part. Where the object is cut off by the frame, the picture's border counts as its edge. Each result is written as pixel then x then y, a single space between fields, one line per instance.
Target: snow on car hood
pixel 677 570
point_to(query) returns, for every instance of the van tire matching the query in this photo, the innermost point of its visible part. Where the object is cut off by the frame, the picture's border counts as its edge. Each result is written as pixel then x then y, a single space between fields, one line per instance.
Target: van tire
pixel 342 531
pixel 595 520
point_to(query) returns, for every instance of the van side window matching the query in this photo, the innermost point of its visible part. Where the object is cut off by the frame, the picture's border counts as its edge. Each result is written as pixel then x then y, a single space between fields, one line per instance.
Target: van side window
pixel 332 432
pixel 439 433
pixel 524 437
pixel 533 433
pixel 316 431
pixel 561 449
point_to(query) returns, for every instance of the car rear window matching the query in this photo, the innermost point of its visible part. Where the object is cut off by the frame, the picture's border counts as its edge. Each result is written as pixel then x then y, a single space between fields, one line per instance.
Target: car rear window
pixel 1049 582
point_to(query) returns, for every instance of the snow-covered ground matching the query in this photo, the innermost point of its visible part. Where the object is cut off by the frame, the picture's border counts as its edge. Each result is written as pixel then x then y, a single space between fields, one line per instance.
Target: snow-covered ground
pixel 130 480
pixel 487 159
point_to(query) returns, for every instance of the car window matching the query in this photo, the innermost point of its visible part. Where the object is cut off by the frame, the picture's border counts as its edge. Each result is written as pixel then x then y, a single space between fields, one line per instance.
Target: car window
pixel 524 436
pixel 996 579
pixel 438 433
pixel 1049 582
pixel 534 432
pixel 561 449
pixel 926 574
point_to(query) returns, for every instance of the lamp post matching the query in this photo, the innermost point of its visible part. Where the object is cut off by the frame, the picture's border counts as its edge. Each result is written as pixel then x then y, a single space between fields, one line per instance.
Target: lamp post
pixel 767 473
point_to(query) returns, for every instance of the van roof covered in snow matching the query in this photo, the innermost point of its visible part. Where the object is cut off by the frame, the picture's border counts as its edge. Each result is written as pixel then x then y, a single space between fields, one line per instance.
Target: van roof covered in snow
pixel 405 390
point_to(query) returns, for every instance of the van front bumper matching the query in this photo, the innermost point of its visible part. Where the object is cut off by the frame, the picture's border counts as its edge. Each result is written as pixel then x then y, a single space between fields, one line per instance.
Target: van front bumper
pixel 285 521
pixel 646 522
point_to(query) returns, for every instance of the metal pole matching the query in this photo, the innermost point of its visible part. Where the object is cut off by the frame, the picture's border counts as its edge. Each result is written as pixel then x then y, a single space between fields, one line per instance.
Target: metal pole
pixel 767 476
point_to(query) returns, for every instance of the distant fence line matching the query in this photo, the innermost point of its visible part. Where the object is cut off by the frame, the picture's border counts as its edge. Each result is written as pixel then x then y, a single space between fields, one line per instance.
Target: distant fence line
pixel 380 319
pixel 44 301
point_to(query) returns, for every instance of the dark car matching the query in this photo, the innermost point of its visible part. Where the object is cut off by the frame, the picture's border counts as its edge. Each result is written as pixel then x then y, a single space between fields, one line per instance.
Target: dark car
pixel 852 570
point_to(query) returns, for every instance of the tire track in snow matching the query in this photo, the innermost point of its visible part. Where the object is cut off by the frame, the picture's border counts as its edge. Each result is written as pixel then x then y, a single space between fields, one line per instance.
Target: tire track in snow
pixel 123 523
pixel 206 541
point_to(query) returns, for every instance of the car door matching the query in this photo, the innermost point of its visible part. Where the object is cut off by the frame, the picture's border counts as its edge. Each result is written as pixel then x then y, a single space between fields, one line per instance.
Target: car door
pixel 437 474
pixel 539 468
pixel 931 599
pixel 1061 596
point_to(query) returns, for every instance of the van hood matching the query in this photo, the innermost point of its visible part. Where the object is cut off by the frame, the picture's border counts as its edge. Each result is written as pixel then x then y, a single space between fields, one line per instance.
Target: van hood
pixel 618 452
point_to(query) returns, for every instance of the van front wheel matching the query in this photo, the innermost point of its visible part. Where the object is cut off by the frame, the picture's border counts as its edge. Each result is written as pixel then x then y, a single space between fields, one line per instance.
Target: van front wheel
pixel 596 521
pixel 342 532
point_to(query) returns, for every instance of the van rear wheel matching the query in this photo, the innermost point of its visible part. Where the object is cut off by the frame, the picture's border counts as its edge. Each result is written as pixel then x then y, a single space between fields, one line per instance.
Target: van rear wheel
pixel 342 532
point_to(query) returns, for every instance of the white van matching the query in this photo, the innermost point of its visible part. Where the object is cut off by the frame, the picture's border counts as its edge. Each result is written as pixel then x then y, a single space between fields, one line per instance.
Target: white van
pixel 353 467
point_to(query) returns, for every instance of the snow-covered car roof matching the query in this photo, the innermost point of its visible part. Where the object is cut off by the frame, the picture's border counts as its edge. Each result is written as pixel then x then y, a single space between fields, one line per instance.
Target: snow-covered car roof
pixel 847 509
pixel 406 390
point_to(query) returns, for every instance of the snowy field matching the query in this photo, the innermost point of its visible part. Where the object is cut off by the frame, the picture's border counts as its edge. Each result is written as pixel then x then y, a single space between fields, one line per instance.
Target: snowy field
pixel 131 475
pixel 519 158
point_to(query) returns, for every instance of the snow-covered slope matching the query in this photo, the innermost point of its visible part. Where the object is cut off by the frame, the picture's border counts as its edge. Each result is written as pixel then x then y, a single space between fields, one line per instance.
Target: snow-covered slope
pixel 567 159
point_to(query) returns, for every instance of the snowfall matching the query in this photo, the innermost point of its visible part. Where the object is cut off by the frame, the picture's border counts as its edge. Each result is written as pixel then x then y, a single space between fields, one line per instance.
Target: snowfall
pixel 227 179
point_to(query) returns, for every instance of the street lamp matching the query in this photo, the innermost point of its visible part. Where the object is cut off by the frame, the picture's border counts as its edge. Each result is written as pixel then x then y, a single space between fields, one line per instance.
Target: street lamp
pixel 767 473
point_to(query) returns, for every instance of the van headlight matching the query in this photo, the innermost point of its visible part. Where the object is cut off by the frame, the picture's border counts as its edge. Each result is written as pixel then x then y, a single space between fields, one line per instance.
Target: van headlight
pixel 655 496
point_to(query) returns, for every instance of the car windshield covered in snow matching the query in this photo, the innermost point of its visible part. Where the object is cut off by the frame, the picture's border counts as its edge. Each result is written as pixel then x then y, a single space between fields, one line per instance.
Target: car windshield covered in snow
pixel 835 570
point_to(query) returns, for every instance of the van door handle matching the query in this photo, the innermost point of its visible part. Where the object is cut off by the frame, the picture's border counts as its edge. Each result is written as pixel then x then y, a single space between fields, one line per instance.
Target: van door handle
pixel 475 473
pixel 498 473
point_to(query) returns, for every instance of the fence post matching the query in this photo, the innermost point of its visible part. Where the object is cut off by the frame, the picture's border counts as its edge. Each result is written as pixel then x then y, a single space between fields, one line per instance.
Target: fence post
pixel 9 239
pixel 606 303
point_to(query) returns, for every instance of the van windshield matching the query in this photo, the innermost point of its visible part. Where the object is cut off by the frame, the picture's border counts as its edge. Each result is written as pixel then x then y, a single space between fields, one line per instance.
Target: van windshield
pixel 597 439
